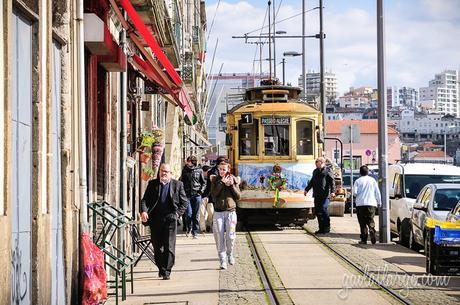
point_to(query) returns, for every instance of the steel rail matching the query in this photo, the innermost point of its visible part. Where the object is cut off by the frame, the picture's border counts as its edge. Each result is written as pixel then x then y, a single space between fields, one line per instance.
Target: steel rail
pixel 262 272
pixel 366 274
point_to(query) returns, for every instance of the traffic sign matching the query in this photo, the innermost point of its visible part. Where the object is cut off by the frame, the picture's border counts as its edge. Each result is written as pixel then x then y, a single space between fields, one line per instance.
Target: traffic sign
pixel 354 130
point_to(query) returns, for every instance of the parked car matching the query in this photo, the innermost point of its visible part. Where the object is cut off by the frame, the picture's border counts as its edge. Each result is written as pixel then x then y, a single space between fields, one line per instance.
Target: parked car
pixel 454 214
pixel 434 201
pixel 406 180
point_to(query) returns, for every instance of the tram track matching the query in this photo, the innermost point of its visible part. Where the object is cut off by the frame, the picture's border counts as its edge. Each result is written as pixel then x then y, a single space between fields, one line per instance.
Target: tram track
pixel 273 290
pixel 386 289
pixel 272 284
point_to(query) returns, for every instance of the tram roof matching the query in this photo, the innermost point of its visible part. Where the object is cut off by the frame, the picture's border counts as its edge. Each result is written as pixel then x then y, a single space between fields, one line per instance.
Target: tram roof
pixel 260 106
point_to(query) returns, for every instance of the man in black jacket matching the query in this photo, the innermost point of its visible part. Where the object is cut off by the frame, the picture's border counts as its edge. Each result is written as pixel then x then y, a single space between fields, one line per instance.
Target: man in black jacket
pixel 164 201
pixel 194 185
pixel 323 186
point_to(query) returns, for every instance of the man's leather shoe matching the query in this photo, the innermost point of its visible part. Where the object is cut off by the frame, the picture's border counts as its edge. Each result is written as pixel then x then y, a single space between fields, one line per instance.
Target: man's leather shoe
pixel 166 277
pixel 361 242
pixel 320 232
pixel 373 239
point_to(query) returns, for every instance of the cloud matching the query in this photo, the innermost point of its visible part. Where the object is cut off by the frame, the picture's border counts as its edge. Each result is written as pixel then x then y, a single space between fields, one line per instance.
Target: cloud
pixel 421 40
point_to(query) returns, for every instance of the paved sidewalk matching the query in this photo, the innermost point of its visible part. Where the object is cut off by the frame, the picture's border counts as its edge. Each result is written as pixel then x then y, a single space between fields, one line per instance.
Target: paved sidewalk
pixel 401 268
pixel 194 278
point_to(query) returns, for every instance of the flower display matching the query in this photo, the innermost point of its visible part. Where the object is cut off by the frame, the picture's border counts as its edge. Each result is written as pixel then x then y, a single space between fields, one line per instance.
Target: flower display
pixel 277 182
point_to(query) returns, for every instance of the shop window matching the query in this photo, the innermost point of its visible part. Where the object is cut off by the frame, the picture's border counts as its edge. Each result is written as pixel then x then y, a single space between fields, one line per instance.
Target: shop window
pixel 249 138
pixel 304 132
pixel 276 140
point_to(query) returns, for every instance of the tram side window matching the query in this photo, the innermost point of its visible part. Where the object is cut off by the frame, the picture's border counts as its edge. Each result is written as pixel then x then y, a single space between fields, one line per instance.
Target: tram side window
pixel 249 138
pixel 304 138
pixel 276 140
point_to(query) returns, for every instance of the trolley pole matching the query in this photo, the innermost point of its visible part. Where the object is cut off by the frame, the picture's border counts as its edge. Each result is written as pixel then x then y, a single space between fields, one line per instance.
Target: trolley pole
pixel 304 76
pixel 384 221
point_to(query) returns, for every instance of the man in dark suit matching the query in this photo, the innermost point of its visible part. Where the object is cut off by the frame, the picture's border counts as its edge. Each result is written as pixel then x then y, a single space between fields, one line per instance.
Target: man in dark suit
pixel 323 186
pixel 163 203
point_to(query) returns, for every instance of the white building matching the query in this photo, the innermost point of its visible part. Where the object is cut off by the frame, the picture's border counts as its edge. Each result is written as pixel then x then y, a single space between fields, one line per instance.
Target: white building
pixel 402 96
pixel 313 85
pixel 427 126
pixel 349 101
pixel 226 91
pixel 444 90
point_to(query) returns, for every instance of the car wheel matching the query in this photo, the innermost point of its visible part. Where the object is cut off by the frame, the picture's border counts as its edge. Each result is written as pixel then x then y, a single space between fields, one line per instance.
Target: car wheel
pixel 404 232
pixel 429 259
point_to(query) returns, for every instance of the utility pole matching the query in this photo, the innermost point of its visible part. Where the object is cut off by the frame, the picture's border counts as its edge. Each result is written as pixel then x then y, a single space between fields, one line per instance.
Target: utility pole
pixel 321 70
pixel 274 45
pixel 304 76
pixel 269 37
pixel 351 169
pixel 384 221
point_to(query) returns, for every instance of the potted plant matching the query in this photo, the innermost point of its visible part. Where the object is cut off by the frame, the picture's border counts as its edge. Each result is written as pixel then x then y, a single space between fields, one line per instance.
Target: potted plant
pixel 147 173
pixel 145 157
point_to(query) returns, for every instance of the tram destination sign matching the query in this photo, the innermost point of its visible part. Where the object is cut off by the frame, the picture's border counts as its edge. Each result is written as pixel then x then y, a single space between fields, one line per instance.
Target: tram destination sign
pixel 281 120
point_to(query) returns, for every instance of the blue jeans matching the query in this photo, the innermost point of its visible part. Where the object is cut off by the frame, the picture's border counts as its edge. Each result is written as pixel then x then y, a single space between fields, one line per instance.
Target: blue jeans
pixel 322 213
pixel 194 209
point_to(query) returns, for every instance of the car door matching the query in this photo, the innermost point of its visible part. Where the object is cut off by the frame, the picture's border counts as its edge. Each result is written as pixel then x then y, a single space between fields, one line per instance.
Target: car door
pixel 419 213
pixel 395 202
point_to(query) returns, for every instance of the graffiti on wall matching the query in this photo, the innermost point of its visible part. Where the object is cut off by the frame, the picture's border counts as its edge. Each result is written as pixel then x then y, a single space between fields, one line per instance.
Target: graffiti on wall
pixel 19 289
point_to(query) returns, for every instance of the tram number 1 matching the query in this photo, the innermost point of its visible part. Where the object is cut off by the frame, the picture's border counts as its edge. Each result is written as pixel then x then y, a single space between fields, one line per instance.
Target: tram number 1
pixel 246 118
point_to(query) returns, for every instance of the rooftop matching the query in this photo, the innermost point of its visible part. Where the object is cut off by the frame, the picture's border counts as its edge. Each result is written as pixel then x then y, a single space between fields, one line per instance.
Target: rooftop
pixel 366 126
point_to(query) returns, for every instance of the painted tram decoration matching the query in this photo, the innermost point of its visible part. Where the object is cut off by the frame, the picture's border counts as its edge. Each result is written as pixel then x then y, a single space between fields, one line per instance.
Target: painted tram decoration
pixel 273 140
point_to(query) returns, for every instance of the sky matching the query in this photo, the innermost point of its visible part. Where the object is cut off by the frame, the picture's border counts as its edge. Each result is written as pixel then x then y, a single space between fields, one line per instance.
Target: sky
pixel 422 38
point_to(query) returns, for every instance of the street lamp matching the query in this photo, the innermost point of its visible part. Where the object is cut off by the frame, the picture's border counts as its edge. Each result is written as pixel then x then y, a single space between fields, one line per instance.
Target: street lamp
pixel 304 77
pixel 445 142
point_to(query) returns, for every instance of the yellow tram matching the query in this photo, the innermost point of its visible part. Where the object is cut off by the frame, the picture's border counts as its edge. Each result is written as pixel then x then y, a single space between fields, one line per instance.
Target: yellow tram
pixel 273 127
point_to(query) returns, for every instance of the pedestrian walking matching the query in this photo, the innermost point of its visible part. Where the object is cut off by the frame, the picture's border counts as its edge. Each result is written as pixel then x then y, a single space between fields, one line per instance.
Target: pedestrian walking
pixel 164 201
pixel 213 171
pixel 367 200
pixel 226 192
pixel 194 185
pixel 207 208
pixel 323 186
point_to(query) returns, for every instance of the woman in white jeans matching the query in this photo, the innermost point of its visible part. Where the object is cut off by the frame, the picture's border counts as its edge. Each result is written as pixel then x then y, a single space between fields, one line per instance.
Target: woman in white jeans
pixel 226 192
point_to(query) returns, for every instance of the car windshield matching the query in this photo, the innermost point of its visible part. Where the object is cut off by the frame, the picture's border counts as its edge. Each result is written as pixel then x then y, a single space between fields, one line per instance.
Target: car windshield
pixel 414 183
pixel 446 199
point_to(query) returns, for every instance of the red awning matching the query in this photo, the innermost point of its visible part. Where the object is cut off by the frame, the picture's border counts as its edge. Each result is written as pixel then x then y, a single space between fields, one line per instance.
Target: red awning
pixel 184 97
pixel 150 67
pixel 151 41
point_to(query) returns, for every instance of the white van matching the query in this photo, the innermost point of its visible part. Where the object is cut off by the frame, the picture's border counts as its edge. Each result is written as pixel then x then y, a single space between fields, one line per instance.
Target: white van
pixel 406 180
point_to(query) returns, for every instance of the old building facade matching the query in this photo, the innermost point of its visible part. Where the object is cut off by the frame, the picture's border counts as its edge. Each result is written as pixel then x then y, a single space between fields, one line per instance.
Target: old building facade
pixel 81 81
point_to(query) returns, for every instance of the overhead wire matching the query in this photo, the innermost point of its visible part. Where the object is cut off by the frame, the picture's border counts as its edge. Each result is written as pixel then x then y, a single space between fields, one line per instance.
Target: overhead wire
pixel 212 22
pixel 257 47
pixel 282 20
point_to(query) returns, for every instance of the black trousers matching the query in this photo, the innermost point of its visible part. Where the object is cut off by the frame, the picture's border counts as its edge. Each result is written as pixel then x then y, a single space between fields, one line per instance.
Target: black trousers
pixel 163 235
pixel 322 213
pixel 366 220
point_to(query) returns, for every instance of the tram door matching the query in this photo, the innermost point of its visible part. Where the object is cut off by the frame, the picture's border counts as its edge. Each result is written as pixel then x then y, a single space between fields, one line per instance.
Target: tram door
pixel 57 247
pixel 21 151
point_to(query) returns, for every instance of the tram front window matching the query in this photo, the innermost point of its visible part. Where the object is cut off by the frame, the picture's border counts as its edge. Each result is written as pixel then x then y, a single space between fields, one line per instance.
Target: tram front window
pixel 249 138
pixel 276 140
pixel 304 138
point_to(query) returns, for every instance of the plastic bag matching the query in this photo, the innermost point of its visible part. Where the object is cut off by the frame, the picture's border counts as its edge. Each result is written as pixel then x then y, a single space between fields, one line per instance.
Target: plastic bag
pixel 94 277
